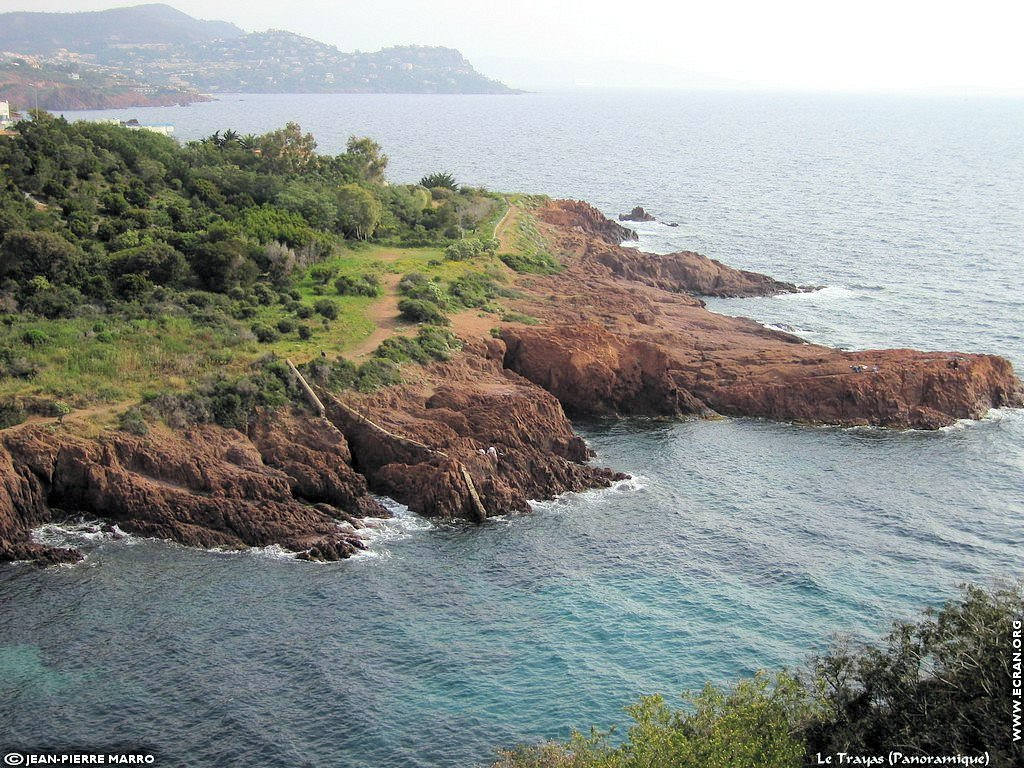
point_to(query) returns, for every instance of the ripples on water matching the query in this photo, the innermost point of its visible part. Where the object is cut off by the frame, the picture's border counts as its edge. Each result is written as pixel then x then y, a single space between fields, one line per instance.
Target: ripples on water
pixel 740 544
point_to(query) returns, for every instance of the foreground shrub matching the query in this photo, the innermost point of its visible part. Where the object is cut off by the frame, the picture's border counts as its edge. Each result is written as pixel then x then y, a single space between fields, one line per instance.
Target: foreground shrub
pixel 940 686
pixel 534 264
pixel 421 311
pixel 364 285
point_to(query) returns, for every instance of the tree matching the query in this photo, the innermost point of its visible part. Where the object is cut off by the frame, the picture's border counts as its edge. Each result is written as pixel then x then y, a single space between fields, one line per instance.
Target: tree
pixel 287 150
pixel 442 180
pixel 26 254
pixel 359 212
pixel 364 157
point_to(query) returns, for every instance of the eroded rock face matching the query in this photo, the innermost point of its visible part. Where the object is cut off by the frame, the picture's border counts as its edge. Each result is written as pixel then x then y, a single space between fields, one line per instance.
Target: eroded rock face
pixel 206 487
pixel 576 216
pixel 416 444
pixel 593 244
pixel 594 371
pixel 626 336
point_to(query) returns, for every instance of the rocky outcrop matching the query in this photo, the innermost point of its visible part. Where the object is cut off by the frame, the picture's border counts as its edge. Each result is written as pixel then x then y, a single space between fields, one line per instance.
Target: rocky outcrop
pixel 594 243
pixel 637 214
pixel 617 332
pixel 471 440
pixel 627 336
pixel 594 371
pixel 578 217
pixel 206 487
pixel 418 444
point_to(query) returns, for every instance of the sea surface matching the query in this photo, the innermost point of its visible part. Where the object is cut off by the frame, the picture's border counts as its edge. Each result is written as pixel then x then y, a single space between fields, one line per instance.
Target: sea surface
pixel 738 545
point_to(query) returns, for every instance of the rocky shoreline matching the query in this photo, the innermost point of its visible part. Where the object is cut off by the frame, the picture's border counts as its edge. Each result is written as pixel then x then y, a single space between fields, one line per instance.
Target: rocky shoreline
pixel 618 332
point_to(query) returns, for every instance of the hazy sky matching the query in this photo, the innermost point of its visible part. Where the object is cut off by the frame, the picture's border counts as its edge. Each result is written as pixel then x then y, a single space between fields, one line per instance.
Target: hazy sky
pixel 834 45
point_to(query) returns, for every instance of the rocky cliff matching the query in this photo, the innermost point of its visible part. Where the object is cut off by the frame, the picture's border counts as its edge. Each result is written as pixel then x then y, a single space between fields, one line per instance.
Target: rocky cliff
pixel 618 332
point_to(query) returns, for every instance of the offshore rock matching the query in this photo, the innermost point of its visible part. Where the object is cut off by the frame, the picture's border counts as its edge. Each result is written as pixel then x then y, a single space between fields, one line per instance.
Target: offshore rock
pixel 637 214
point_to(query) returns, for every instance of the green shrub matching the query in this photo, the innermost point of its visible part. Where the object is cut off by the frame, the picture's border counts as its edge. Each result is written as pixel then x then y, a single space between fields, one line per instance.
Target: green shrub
pixel 133 422
pixel 327 308
pixel 437 343
pixel 364 285
pixel 535 264
pixel 304 311
pixel 36 338
pixel 265 334
pixel 462 250
pixel 286 325
pixel 401 349
pixel 376 373
pixel 419 311
pixel 305 332
pixel 474 290
pixel 11 413
pixel 442 180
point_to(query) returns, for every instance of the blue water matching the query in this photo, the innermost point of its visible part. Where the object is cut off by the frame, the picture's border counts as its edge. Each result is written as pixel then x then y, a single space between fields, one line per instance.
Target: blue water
pixel 740 544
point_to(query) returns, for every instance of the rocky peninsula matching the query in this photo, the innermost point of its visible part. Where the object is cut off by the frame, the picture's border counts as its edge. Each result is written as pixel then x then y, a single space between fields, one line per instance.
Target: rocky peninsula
pixel 614 332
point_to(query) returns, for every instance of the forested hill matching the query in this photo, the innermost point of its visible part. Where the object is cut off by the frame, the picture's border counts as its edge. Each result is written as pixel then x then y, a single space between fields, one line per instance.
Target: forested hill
pixel 155 24
pixel 155 47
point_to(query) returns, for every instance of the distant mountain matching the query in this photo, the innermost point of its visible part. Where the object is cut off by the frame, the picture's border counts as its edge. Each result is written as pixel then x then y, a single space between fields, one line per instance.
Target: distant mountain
pixel 93 32
pixel 154 49
pixel 283 62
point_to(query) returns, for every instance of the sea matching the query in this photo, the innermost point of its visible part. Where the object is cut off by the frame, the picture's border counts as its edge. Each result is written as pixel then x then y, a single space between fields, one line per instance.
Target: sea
pixel 737 545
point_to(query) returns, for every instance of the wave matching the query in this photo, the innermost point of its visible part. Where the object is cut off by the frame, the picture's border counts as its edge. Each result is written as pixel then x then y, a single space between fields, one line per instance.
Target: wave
pixel 571 498
pixel 79 532
pixel 378 531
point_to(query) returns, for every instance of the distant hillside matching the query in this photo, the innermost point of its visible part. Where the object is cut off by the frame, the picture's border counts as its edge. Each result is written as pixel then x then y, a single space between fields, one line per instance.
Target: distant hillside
pixel 283 62
pixel 156 54
pixel 156 24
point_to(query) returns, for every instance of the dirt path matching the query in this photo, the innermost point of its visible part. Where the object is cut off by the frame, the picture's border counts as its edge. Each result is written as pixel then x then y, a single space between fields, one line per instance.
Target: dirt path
pixel 503 223
pixel 384 315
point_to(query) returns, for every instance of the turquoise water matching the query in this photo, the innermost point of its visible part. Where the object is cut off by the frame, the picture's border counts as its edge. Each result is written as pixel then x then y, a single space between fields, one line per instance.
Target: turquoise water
pixel 739 544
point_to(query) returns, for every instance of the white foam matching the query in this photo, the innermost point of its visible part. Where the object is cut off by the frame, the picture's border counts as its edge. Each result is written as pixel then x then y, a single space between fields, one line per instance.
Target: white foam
pixel 75 533
pixel 571 498
pixel 828 293
pixel 378 531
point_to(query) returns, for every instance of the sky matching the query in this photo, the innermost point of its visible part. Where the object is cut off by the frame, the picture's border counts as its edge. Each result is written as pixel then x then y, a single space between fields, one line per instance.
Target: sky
pixel 831 45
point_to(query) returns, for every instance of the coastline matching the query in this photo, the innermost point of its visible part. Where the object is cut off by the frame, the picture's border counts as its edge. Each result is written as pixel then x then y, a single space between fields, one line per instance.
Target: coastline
pixel 617 332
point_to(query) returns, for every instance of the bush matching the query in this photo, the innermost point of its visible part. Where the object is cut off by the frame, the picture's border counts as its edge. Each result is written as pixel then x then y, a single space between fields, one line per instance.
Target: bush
pixel 420 311
pixel 304 311
pixel 133 422
pixel 376 373
pixel 265 334
pixel 286 325
pixel 364 285
pixel 474 290
pixel 11 413
pixel 535 264
pixel 418 286
pixel 936 687
pixel 36 338
pixel 326 308
pixel 305 332
pixel 749 725
pixel 441 180
pixel 463 250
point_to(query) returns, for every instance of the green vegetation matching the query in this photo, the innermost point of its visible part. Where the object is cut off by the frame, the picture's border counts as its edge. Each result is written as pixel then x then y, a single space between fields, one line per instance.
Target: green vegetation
pixel 132 265
pixel 938 686
pixel 530 252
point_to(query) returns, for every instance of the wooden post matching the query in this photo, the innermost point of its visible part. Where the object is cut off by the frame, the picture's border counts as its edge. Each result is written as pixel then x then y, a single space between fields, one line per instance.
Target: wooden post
pixel 310 394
